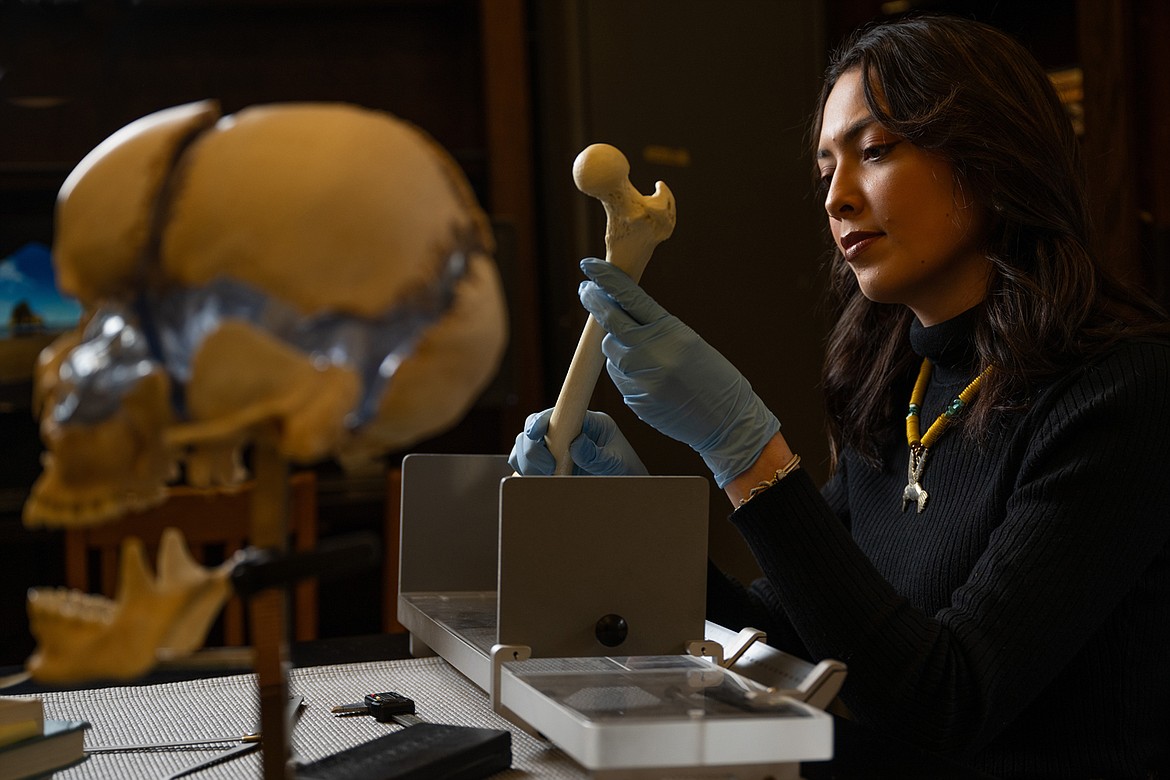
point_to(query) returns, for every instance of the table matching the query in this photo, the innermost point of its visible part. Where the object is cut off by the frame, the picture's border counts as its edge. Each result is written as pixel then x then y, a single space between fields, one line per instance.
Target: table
pixel 226 705
pixel 173 705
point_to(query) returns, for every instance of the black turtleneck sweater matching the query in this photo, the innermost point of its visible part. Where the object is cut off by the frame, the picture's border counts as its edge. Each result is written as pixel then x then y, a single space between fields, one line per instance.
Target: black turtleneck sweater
pixel 1021 623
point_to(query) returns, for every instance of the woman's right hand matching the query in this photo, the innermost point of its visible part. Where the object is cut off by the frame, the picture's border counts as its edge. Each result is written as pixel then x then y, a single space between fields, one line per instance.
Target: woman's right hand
pixel 673 379
pixel 601 450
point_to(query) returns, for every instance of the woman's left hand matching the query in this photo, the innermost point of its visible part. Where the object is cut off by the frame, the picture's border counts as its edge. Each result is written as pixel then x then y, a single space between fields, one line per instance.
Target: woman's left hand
pixel 601 450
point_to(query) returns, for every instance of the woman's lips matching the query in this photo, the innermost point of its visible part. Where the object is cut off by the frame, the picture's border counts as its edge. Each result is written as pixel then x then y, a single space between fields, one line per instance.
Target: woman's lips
pixel 856 242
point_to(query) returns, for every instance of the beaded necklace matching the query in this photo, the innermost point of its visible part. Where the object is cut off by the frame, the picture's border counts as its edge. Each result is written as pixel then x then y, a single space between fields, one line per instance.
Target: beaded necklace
pixel 920 445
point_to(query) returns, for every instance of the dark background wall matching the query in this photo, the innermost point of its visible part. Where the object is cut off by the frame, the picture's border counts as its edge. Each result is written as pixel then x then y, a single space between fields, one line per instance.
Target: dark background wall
pixel 711 97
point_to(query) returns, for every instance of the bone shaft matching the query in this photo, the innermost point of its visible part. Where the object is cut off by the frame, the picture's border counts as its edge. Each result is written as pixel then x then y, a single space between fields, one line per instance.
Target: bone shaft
pixel 569 412
pixel 631 253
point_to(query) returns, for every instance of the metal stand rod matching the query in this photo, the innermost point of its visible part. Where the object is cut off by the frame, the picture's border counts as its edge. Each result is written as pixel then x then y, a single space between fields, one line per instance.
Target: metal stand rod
pixel 268 610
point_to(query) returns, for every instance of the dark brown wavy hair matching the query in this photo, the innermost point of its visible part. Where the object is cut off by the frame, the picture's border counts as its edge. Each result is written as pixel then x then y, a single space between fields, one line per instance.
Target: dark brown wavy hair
pixel 970 93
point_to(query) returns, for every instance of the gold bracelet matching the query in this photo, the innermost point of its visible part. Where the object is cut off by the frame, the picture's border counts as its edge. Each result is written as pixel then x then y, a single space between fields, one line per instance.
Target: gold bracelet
pixel 780 474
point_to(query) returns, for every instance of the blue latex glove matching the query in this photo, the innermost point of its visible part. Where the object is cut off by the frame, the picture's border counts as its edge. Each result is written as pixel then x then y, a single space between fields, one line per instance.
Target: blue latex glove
pixel 601 450
pixel 674 380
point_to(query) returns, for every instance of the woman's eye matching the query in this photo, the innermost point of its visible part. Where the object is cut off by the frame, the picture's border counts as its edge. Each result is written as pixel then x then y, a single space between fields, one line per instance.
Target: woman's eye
pixel 826 178
pixel 877 151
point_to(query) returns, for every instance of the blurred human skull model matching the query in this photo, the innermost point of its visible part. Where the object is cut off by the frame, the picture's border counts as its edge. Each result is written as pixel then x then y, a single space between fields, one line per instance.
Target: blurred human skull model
pixel 320 270
pixel 322 266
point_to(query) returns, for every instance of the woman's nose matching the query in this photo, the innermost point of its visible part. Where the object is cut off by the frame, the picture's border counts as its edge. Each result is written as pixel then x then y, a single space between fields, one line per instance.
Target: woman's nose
pixel 842 197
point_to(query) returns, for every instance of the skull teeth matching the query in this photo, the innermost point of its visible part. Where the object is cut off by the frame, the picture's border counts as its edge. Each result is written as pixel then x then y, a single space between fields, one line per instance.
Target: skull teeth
pixel 71 605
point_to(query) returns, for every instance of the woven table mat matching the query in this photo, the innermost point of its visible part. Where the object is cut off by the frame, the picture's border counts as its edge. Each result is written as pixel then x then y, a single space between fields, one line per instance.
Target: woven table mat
pixel 221 706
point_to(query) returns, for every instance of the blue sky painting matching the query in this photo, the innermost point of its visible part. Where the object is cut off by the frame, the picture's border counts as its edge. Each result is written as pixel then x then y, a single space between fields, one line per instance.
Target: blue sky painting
pixel 27 275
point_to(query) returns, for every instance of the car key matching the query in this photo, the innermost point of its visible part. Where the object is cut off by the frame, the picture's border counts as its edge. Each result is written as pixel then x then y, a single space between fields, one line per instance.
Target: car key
pixel 386 707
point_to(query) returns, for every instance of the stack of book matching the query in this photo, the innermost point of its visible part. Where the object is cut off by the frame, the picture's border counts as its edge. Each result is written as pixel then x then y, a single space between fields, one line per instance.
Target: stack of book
pixel 30 745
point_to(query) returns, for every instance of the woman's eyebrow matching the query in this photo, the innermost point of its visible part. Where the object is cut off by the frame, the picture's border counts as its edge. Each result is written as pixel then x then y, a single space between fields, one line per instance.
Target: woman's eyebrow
pixel 851 132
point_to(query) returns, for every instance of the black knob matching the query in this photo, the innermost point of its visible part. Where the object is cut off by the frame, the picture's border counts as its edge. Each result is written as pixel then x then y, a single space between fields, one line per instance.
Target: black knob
pixel 611 630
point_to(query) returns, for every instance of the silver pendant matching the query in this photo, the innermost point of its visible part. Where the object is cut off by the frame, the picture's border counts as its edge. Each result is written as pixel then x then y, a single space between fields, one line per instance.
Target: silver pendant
pixel 914 491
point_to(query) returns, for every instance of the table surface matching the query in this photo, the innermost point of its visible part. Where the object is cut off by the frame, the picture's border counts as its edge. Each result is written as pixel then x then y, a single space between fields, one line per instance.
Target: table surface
pixel 175 705
pixel 217 706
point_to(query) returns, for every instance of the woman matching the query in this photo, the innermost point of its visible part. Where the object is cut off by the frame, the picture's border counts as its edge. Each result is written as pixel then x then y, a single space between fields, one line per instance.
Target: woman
pixel 993 565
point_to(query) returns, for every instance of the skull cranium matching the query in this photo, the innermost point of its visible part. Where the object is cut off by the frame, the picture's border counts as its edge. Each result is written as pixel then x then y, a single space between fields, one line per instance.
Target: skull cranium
pixel 322 266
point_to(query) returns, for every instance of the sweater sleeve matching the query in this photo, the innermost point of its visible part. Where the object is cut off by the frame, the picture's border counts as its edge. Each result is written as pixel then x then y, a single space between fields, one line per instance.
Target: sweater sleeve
pixel 836 493
pixel 1086 515
pixel 734 606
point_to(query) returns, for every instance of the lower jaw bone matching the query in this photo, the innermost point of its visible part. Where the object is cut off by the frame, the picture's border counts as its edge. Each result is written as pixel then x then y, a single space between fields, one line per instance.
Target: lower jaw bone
pixel 83 637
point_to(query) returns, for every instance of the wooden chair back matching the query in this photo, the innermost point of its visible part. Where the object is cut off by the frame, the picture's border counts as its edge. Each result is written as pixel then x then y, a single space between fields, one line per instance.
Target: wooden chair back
pixel 215 525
